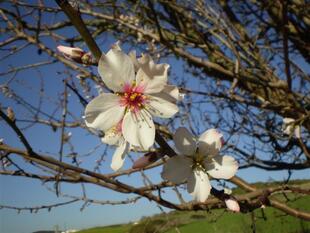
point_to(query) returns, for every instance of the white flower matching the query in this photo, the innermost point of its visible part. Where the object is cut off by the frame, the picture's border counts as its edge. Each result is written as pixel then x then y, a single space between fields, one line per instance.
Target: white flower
pixel 136 99
pixel 289 128
pixel 198 159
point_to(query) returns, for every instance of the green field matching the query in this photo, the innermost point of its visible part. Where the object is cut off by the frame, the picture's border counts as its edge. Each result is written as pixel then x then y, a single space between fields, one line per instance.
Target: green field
pixel 109 229
pixel 268 220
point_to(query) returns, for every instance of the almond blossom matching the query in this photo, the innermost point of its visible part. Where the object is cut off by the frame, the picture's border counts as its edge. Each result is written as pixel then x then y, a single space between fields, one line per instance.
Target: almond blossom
pixel 114 135
pixel 138 97
pixel 198 158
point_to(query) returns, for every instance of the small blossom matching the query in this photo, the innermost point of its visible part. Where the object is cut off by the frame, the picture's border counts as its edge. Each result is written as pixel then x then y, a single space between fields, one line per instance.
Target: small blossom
pixel 6 91
pixel 137 98
pixel 66 137
pixel 232 205
pixel 75 54
pixel 10 114
pixel 5 162
pixel 198 158
pixel 289 128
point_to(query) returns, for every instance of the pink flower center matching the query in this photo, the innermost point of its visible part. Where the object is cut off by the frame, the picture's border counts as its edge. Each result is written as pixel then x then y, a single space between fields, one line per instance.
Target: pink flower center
pixel 133 97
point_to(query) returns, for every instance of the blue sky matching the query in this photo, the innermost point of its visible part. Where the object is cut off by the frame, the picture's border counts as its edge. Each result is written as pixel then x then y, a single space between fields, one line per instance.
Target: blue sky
pixel 24 192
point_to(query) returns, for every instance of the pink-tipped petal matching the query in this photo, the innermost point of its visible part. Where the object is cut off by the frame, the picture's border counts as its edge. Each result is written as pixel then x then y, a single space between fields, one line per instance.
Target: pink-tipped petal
pixel 145 160
pixel 72 53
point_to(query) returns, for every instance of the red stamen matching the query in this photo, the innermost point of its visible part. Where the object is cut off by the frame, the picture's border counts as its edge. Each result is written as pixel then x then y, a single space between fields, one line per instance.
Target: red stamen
pixel 132 97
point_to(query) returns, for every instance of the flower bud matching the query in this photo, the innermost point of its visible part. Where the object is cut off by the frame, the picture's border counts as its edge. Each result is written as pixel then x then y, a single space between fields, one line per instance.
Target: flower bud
pixel 145 160
pixel 75 54
pixel 232 205
pixel 10 114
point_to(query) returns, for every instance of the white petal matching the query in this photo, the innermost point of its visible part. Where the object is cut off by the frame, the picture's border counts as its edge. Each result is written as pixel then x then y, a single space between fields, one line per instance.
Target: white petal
pixel 159 107
pixel 169 93
pixel 112 137
pixel 132 55
pixel 297 131
pixel 116 69
pixel 172 91
pixel 151 69
pixel 198 185
pixel 222 167
pixel 289 128
pixel 104 112
pixel 176 169
pixel 184 141
pixel 119 156
pixel 138 129
pixel 288 120
pixel 210 143
pixel 151 84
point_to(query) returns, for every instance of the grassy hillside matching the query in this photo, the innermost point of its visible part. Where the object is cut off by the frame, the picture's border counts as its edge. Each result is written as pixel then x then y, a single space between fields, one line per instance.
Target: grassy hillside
pixel 109 229
pixel 268 220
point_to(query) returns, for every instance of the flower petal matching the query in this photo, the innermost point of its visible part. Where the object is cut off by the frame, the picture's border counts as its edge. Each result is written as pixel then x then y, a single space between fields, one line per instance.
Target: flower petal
pixel 132 55
pixel 288 126
pixel 112 137
pixel 210 143
pixel 146 160
pixel 198 185
pixel 116 69
pixel 119 155
pixel 222 167
pixel 184 141
pixel 170 93
pixel 297 131
pixel 177 169
pixel 104 112
pixel 151 69
pixel 138 129
pixel 151 84
pixel 160 107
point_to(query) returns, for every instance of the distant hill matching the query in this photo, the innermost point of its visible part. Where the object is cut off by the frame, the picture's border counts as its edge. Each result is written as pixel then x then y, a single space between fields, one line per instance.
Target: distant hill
pixel 43 232
pixel 268 220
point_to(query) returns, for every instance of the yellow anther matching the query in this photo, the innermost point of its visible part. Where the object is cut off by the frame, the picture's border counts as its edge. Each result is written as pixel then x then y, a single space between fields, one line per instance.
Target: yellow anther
pixel 133 96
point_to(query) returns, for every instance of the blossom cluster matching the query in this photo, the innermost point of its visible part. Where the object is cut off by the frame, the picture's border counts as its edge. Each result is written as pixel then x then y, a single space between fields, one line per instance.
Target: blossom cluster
pixel 139 93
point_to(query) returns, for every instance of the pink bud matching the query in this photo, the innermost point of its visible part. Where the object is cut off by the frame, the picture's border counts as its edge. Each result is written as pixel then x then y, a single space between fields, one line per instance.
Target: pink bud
pixel 145 160
pixel 75 54
pixel 232 205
